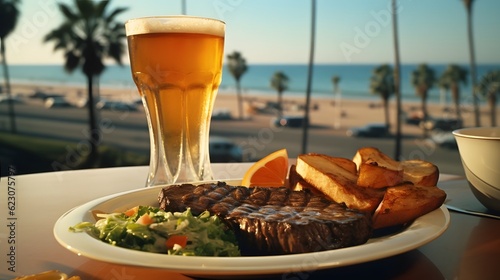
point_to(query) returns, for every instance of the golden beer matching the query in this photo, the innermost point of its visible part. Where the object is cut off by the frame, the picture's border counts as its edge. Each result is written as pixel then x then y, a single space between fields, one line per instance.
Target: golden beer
pixel 176 64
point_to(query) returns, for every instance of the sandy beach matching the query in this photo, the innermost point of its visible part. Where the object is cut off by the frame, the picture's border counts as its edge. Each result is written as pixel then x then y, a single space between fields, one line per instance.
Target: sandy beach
pixel 324 112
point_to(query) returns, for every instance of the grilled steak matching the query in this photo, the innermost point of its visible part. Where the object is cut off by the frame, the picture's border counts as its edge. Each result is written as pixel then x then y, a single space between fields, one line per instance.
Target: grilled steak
pixel 273 220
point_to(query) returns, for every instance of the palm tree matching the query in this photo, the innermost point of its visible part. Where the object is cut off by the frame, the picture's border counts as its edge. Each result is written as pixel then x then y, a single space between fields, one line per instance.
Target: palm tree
pixel 470 34
pixel 444 87
pixel 335 82
pixel 338 100
pixel 397 80
pixel 423 79
pixel 237 67
pixel 88 35
pixel 452 77
pixel 382 84
pixel 489 87
pixel 9 13
pixel 279 82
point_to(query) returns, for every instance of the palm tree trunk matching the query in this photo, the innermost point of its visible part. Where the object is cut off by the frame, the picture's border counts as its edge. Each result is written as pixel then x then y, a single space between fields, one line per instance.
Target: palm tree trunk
pixel 94 131
pixel 184 7
pixel 240 100
pixel 338 107
pixel 423 104
pixel 385 101
pixel 473 66
pixel 280 104
pixel 493 108
pixel 309 77
pixel 13 127
pixel 424 112
pixel 443 99
pixel 397 75
pixel 456 100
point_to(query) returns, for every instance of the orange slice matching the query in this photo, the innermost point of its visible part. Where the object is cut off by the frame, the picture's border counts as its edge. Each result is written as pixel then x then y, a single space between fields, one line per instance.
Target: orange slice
pixel 270 171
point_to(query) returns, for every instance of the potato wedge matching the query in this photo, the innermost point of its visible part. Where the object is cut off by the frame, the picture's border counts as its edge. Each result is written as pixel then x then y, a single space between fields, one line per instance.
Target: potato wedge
pixel 344 163
pixel 336 178
pixel 366 153
pixel 372 175
pixel 376 169
pixel 420 172
pixel 297 183
pixel 406 202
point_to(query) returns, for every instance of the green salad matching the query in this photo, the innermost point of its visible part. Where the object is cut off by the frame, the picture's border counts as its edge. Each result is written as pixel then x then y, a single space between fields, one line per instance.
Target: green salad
pixel 151 229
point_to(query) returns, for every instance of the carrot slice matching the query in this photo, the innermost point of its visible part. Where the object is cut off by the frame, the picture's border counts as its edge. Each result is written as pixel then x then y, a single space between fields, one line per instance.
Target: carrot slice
pixel 144 220
pixel 180 240
pixel 132 211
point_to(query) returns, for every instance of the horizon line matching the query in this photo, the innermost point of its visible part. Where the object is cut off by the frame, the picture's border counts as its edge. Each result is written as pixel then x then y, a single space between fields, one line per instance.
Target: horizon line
pixel 290 63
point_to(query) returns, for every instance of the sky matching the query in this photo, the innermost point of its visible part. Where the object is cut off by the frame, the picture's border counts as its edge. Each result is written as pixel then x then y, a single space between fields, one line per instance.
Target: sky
pixel 278 31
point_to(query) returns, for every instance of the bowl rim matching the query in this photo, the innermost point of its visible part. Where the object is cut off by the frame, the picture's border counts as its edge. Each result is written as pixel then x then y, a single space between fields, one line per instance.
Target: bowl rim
pixel 472 132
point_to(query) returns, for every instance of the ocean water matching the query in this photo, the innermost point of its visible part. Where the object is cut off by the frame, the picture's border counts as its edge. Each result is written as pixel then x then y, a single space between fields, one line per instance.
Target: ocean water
pixel 354 79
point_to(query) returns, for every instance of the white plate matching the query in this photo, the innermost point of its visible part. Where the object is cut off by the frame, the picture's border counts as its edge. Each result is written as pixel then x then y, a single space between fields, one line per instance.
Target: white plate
pixel 422 231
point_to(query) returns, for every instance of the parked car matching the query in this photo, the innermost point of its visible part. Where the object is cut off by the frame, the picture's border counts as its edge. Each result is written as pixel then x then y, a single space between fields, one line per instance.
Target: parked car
pixel 115 105
pixel 269 107
pixel 221 114
pixel 43 95
pixel 56 102
pixel 442 124
pixel 414 118
pixel 369 130
pixel 15 99
pixel 289 121
pixel 137 101
pixel 222 149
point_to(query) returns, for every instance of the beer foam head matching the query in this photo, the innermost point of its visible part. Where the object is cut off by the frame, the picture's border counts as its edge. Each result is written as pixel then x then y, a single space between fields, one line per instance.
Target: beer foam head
pixel 175 24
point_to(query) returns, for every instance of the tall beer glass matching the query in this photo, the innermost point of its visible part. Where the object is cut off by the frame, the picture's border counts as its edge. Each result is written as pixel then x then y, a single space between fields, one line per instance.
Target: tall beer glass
pixel 176 63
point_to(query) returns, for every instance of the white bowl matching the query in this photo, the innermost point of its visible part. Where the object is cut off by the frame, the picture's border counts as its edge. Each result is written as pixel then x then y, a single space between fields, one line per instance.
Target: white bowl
pixel 479 149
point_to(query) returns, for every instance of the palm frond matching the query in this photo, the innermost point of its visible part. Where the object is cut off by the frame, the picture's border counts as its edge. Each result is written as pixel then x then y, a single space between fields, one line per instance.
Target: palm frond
pixel 114 13
pixel 100 8
pixel 87 38
pixel 9 14
pixel 382 81
pixel 279 81
pixel 86 8
pixel 67 12
pixel 237 65
pixel 116 51
pixel 72 61
pixel 490 83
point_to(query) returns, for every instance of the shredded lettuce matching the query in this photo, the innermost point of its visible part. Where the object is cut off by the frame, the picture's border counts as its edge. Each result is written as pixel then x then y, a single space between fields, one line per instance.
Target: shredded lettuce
pixel 206 234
